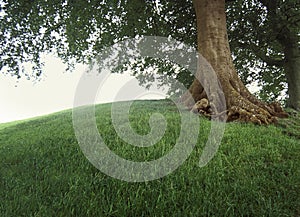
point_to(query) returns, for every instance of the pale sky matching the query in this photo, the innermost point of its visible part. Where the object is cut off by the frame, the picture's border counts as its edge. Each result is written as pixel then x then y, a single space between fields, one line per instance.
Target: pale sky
pixel 55 92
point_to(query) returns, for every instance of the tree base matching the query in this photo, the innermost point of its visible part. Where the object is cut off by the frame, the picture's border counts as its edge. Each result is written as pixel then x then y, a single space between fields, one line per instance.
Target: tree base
pixel 242 107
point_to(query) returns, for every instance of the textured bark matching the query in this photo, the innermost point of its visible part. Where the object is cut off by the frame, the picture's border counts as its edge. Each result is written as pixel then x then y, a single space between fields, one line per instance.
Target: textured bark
pixel 214 46
pixel 292 68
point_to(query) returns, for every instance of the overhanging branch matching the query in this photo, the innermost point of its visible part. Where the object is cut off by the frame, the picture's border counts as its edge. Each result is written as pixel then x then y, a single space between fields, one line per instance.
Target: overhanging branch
pixel 271 61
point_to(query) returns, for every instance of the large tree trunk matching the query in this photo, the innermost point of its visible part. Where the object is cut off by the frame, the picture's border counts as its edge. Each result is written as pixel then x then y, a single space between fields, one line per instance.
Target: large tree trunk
pixel 214 46
pixel 292 68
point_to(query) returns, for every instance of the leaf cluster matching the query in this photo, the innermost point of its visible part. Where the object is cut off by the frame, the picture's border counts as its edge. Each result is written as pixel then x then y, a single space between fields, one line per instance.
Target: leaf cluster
pixel 258 32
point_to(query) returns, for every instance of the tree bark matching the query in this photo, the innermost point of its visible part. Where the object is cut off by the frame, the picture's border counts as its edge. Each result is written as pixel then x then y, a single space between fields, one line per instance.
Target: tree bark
pixel 213 44
pixel 291 66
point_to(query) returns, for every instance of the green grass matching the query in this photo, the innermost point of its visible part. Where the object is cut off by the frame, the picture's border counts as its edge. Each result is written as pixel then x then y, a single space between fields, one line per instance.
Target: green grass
pixel 291 126
pixel 43 172
pixel 9 124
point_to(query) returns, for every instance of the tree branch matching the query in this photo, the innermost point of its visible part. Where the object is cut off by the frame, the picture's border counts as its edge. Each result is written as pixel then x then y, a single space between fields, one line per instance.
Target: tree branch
pixel 271 61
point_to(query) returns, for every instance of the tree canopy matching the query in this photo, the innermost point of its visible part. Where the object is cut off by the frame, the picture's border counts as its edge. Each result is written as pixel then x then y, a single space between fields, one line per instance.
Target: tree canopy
pixel 258 32
pixel 76 30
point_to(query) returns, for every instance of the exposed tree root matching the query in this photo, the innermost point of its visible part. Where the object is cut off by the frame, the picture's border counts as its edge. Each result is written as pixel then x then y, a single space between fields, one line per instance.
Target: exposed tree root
pixel 252 114
pixel 242 107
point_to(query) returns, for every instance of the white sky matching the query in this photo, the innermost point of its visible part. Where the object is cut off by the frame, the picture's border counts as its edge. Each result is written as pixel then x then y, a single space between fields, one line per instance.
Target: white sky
pixel 55 92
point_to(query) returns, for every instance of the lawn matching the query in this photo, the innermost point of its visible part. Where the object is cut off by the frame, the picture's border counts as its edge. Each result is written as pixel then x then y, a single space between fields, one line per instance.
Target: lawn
pixel 43 172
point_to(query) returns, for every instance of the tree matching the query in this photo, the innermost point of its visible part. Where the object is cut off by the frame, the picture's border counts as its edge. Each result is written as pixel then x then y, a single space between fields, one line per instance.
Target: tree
pixel 79 29
pixel 265 35
pixel 214 46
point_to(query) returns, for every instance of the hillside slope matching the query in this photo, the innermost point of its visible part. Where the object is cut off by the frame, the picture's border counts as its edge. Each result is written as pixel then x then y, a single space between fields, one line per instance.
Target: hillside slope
pixel 44 173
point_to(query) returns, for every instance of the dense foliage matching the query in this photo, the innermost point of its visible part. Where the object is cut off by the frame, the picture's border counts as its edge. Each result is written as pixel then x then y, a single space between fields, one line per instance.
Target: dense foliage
pixel 256 34
pixel 77 30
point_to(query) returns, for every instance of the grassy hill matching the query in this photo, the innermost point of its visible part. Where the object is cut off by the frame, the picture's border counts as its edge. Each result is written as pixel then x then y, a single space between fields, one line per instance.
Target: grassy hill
pixel 43 172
